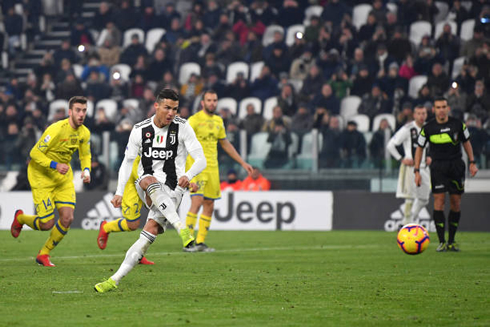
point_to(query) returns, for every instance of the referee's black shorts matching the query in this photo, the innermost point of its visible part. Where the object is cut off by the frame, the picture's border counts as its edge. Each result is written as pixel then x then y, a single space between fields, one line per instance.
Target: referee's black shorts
pixel 448 176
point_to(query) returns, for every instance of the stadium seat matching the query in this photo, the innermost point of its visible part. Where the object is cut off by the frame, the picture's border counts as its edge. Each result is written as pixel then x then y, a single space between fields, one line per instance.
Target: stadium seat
pixel 268 36
pixel 297 84
pixel 234 68
pixel 133 103
pixel 392 7
pixel 415 84
pixel 467 28
pixel 110 108
pixel 77 181
pixel 440 26
pixel 255 69
pixel 360 14
pixel 259 149
pixel 123 69
pixel 291 33
pixel 153 36
pixel 457 65
pixel 292 151
pixel 9 181
pixel 229 103
pixel 362 122
pixel 129 33
pixel 186 70
pixel 467 5
pixel 443 11
pixel 242 110
pixel 418 30
pixel 378 118
pixel 269 105
pixel 90 108
pixel 314 10
pixel 349 106
pixel 304 159
pixel 77 70
pixel 55 105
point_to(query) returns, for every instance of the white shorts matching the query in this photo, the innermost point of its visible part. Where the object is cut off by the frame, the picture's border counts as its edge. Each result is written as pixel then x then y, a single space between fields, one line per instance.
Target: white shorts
pixel 153 212
pixel 407 189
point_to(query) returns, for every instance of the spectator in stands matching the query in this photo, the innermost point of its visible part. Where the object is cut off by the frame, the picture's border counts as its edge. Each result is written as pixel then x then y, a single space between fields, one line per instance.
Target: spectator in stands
pixel 392 25
pixel 228 52
pixel 97 89
pixel 481 59
pixel 329 63
pixel 340 83
pixel 458 13
pixel 377 144
pixel 264 86
pixel 479 137
pixel 137 86
pixel 213 82
pixel 469 48
pixel 279 137
pixel 211 15
pixel 298 47
pixel 14 89
pixel 125 17
pixel 263 12
pixel 211 66
pixel 95 65
pixel 139 68
pixel 256 182
pixel 158 66
pixel 423 96
pixel 352 146
pixel 404 116
pixel 65 52
pixel 252 49
pixel 196 13
pixel 206 46
pixel 406 13
pixel 448 44
pixel 192 88
pixel 347 42
pixel 102 122
pixel 14 26
pixel 286 100
pixel 374 103
pixel 175 32
pixel 110 32
pixel 363 82
pixel 355 64
pixel 367 30
pixel 147 102
pixel 399 47
pixel 252 123
pixel 133 51
pixel 312 31
pixel 239 88
pixel 11 152
pixel 168 14
pixel 290 14
pixel 47 88
pixel 426 56
pixel 301 66
pixel 98 176
pixel 407 70
pixel 326 99
pixel 478 102
pixel 334 11
pixel 426 10
pixel 312 84
pixel 80 35
pixel 232 182
pixel 391 81
pixel 379 11
pixel 456 99
pixel 438 81
pixel 102 16
pixel 277 42
pixel 329 155
pixel 109 53
pixel 149 19
pixel 119 87
pixel 27 138
pixel 301 123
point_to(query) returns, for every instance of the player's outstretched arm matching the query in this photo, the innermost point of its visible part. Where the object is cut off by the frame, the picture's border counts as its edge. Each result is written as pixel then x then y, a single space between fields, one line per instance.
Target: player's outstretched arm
pixel 471 158
pixel 232 152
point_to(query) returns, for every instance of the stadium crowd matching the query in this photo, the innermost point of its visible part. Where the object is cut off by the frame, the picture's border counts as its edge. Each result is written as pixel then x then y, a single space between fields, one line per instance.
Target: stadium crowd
pixel 310 74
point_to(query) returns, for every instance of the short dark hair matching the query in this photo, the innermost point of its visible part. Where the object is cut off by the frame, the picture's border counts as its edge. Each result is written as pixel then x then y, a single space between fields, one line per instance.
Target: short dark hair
pixel 419 106
pixel 76 99
pixel 439 98
pixel 208 92
pixel 167 94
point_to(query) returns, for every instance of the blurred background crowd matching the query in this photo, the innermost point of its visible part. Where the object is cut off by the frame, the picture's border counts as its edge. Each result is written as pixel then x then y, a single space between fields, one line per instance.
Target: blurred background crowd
pixel 351 70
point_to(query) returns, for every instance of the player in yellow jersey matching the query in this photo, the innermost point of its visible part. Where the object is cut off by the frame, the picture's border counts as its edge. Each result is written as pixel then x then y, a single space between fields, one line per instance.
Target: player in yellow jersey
pixel 51 177
pixel 209 130
pixel 131 211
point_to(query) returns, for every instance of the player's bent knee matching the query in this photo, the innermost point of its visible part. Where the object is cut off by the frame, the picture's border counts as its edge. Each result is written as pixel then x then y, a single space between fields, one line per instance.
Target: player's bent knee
pixel 46 225
pixel 133 225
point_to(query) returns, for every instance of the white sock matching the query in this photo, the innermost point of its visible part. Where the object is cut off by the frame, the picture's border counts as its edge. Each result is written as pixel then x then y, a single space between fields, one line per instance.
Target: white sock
pixel 165 205
pixel 407 210
pixel 134 255
pixel 417 206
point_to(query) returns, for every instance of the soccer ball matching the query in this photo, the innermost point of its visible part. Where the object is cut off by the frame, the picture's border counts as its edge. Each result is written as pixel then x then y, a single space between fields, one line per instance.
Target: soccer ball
pixel 413 239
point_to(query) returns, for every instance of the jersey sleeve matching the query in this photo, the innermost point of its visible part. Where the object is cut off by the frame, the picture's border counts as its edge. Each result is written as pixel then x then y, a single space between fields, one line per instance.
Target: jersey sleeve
pixel 465 132
pixel 422 139
pixel 222 131
pixel 84 151
pixel 47 141
pixel 189 137
pixel 395 141
pixel 134 144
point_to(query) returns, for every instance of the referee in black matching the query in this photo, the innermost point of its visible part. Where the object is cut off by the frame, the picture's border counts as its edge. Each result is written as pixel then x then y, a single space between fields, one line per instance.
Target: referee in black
pixel 445 135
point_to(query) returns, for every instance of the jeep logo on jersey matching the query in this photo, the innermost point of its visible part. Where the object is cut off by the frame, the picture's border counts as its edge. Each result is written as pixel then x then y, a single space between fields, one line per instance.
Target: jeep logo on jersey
pixel 158 153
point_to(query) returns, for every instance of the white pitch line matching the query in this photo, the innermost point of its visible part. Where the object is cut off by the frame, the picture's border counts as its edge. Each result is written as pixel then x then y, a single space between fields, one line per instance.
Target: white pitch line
pixel 67 292
pixel 300 248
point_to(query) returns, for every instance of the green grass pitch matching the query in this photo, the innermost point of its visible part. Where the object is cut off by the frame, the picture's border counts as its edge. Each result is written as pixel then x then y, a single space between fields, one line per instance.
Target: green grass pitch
pixel 339 278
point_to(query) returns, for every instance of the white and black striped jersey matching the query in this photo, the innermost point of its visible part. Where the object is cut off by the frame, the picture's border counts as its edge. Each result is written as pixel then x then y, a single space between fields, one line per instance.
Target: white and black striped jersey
pixel 406 135
pixel 163 151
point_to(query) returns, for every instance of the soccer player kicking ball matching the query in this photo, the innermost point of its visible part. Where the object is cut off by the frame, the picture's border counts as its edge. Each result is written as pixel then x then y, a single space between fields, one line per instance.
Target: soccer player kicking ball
pixel 51 177
pixel 445 135
pixel 163 142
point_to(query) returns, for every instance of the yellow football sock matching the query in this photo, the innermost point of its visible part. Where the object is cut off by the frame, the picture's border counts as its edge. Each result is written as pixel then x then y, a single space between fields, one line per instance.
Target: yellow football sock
pixel 118 225
pixel 57 233
pixel 191 221
pixel 30 220
pixel 204 223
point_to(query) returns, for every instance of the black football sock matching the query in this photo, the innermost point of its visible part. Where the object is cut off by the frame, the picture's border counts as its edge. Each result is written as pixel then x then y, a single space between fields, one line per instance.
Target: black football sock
pixel 440 222
pixel 453 221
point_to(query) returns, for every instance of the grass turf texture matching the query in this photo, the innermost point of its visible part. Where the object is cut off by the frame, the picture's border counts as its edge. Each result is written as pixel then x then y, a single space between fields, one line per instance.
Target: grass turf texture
pixel 341 278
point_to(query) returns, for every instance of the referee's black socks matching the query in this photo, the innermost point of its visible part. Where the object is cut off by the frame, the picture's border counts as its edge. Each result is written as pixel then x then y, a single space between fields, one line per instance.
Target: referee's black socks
pixel 440 222
pixel 453 221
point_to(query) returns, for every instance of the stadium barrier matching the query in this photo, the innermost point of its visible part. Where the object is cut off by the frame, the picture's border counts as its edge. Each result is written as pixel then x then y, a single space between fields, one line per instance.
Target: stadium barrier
pixel 275 210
